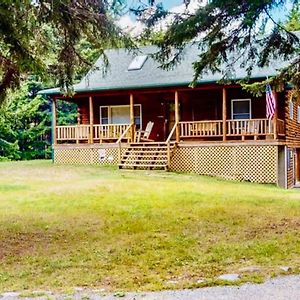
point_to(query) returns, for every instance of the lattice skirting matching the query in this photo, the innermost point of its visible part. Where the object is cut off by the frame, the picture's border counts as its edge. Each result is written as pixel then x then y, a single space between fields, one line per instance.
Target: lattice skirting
pixel 249 163
pixel 87 155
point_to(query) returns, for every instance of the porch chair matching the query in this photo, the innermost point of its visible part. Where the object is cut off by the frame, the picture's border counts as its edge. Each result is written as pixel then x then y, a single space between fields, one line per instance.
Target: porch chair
pixel 143 135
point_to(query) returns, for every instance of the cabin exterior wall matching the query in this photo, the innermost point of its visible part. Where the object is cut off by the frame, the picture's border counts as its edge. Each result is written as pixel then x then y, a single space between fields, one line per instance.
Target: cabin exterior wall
pixel 292 120
pixel 292 137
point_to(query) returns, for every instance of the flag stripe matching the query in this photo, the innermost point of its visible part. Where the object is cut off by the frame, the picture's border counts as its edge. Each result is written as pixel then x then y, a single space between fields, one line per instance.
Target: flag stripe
pixel 270 102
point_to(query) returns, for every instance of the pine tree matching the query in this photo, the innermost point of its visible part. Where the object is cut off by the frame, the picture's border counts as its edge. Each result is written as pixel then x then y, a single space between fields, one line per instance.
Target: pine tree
pixel 43 37
pixel 230 31
pixel 24 126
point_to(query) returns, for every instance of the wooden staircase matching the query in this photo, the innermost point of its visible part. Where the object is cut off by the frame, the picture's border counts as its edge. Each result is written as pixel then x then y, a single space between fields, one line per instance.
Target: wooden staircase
pixel 147 156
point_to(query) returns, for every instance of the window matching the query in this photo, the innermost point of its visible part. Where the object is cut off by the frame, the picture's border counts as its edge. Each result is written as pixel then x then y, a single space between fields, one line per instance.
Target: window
pixel 291 109
pixel 120 114
pixel 137 63
pixel 137 116
pixel 298 114
pixel 104 115
pixel 241 109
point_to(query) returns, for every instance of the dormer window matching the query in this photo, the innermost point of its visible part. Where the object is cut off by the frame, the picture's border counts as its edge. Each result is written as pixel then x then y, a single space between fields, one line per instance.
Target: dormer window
pixel 137 63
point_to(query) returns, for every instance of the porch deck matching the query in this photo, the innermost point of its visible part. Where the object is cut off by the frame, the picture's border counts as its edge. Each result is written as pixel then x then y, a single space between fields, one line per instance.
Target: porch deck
pixel 208 130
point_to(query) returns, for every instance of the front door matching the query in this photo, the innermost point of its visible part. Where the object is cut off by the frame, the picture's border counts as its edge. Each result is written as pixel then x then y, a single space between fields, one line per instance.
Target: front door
pixel 165 120
pixel 169 118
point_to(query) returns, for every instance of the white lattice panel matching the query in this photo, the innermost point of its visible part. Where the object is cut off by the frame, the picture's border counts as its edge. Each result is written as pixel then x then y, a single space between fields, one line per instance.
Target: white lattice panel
pixel 250 163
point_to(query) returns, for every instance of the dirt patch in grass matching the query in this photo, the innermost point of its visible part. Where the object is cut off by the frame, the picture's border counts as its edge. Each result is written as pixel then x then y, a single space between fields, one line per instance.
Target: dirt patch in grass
pixel 20 243
pixel 272 228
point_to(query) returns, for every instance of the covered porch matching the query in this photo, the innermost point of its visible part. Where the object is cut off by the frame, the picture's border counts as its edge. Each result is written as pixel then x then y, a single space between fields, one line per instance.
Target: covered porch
pixel 207 114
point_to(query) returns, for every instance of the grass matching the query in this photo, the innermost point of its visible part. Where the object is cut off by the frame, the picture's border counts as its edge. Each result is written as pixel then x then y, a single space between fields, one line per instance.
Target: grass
pixel 95 227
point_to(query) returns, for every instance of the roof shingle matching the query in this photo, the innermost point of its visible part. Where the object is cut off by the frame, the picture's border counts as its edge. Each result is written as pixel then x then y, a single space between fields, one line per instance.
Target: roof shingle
pixel 151 75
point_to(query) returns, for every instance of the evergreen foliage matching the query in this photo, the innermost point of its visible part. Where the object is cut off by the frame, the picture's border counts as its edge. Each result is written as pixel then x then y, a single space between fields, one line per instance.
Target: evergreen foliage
pixel 230 32
pixel 293 23
pixel 43 37
pixel 25 123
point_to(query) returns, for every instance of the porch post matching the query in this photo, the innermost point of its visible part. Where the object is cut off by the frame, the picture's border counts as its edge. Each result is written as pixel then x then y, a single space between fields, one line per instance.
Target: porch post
pixel 177 116
pixel 275 115
pixel 224 112
pixel 54 137
pixel 91 110
pixel 132 118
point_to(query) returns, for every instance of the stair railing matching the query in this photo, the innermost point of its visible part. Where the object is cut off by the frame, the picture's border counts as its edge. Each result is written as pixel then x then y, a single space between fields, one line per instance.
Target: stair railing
pixel 119 141
pixel 168 140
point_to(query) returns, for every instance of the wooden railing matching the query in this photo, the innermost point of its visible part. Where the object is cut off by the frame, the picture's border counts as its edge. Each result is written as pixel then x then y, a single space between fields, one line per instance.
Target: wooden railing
pixel 125 134
pixel 83 132
pixel 190 129
pixel 201 129
pixel 280 127
pixel 73 132
pixel 168 142
pixel 254 127
pixel 171 133
pixel 250 127
pixel 234 128
pixel 109 131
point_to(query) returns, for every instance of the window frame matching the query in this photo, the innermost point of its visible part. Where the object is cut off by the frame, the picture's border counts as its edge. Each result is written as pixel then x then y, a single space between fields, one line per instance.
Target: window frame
pixel 239 100
pixel 109 107
pixel 298 114
pixel 108 114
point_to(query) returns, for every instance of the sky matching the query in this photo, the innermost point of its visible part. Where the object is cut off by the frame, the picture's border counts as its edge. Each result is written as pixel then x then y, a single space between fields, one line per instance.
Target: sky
pixel 171 3
pixel 129 21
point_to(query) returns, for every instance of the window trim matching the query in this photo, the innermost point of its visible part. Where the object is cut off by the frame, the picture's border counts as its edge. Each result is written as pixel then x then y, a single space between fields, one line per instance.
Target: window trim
pixel 298 114
pixel 238 100
pixel 125 105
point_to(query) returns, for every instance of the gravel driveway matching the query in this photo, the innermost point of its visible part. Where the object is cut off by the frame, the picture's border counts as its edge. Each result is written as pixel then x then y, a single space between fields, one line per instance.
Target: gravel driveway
pixel 285 288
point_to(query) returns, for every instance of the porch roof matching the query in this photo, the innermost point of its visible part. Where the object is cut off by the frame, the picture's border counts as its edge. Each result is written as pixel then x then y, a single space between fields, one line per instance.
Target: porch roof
pixel 151 75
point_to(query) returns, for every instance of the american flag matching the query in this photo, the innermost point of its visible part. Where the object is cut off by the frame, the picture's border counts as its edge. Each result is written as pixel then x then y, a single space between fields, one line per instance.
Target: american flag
pixel 270 102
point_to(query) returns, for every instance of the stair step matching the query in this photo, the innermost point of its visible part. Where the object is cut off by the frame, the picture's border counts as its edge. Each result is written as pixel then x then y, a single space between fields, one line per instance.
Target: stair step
pixel 151 144
pixel 148 148
pixel 146 151
pixel 143 154
pixel 144 160
pixel 140 161
pixel 146 155
pixel 143 166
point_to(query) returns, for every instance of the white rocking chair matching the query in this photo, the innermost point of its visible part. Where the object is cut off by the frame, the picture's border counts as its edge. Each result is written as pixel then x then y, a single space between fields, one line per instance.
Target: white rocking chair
pixel 143 135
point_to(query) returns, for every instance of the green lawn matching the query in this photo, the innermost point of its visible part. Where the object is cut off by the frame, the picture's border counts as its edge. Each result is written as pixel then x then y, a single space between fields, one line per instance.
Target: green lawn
pixel 68 226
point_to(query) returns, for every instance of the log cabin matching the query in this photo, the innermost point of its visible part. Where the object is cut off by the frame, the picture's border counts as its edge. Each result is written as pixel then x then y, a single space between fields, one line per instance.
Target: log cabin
pixel 212 129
